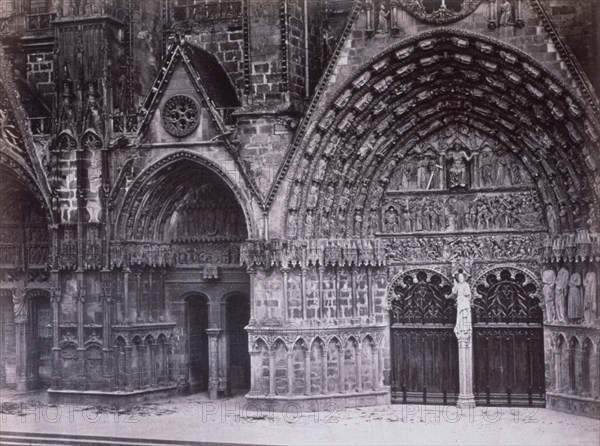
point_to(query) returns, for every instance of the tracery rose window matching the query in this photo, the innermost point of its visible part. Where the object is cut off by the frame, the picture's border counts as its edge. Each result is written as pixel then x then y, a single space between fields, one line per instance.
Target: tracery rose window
pixel 180 115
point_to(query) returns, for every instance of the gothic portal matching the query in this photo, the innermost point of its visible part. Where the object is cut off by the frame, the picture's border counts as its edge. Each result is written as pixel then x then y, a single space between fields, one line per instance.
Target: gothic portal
pixel 324 204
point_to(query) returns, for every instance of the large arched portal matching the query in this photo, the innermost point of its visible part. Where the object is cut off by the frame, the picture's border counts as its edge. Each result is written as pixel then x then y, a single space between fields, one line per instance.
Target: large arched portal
pixel 453 152
pixel 26 319
pixel 179 231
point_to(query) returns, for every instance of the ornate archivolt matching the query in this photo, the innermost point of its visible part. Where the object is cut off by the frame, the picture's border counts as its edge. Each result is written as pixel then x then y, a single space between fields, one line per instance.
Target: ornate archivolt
pixel 180 210
pixel 456 105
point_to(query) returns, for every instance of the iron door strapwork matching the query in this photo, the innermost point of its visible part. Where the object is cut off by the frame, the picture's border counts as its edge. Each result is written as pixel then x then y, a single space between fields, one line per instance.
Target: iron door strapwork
pixel 424 347
pixel 508 343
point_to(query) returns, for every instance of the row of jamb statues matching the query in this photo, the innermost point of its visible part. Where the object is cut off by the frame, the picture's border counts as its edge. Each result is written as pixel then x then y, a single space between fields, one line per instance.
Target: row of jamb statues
pixel 569 298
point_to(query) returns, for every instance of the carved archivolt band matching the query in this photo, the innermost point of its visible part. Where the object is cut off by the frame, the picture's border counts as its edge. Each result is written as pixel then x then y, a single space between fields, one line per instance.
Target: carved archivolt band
pixel 412 93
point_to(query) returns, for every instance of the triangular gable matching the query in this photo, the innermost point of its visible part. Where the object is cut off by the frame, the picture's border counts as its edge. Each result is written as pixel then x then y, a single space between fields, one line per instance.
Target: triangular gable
pixel 176 60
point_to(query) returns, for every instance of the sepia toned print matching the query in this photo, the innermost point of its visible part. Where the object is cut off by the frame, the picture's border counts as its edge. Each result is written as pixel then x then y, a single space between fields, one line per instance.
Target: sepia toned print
pixel 299 207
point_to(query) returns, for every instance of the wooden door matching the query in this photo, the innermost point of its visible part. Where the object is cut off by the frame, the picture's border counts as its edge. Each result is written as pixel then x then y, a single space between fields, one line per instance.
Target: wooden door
pixel 508 344
pixel 424 347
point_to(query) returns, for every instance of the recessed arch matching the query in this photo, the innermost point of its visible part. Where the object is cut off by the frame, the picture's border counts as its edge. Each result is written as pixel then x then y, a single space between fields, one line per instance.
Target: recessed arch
pixel 155 193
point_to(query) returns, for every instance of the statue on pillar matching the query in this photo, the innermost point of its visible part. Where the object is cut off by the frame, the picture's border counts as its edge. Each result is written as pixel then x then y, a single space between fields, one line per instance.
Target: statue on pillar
pixel 20 303
pixel 462 291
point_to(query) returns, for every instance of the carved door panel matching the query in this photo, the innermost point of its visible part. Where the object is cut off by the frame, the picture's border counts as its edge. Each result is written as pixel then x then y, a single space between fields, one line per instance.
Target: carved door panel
pixel 424 347
pixel 508 345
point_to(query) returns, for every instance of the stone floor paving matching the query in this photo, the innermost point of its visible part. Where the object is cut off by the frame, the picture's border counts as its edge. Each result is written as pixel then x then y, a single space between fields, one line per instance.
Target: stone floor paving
pixel 232 420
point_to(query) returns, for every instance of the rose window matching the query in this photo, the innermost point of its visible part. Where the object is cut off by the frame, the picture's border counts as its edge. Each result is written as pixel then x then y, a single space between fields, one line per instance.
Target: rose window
pixel 180 115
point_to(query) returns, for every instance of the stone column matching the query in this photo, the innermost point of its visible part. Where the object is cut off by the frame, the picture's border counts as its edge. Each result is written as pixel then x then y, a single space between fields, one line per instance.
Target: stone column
pixel 324 386
pixel 290 365
pixel 56 378
pixel 353 300
pixel 284 271
pixel 128 368
pixel 127 312
pixel 21 355
pixel 369 292
pixel 213 362
pixel 107 350
pixel 321 314
pixel 342 370
pixel 594 371
pixel 271 372
pixel 359 367
pixel 557 371
pixel 307 368
pixel 465 368
pixel 80 333
pixel 303 293
pixel 337 293
pixel 252 275
pixel 375 362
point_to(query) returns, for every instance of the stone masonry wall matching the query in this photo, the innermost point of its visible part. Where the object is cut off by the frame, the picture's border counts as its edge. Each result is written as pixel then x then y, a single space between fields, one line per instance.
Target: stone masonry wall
pixel 574 20
pixel 40 75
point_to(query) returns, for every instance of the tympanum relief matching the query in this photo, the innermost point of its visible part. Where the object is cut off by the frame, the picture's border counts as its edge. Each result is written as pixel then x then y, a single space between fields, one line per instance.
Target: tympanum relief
pixel 466 184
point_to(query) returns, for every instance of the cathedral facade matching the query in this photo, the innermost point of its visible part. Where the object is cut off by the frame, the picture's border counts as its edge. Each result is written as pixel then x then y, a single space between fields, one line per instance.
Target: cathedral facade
pixel 320 204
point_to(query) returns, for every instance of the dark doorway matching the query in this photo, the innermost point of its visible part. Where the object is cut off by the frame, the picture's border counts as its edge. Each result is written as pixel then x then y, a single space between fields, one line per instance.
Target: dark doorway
pixel 197 323
pixel 508 342
pixel 237 318
pixel 424 349
pixel 39 340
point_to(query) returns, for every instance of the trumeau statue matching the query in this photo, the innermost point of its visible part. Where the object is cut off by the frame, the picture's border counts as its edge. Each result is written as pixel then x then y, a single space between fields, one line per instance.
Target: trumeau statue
pixel 462 291
pixel 20 303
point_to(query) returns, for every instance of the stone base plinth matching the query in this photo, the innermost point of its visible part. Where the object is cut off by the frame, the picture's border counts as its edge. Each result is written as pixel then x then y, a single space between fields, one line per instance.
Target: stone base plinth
pixel 465 402
pixel 118 399
pixel 327 404
pixel 579 405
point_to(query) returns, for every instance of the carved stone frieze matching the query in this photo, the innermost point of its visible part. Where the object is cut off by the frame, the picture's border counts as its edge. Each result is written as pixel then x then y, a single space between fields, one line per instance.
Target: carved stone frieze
pixel 451 249
pixel 322 252
pixel 176 254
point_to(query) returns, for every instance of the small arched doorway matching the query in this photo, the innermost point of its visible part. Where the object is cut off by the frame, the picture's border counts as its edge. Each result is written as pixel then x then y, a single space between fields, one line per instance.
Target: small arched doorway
pixel 39 339
pixel 237 317
pixel 196 321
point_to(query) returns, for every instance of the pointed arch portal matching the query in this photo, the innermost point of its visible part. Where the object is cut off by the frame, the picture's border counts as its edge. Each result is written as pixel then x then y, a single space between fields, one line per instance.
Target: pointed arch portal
pixel 452 147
